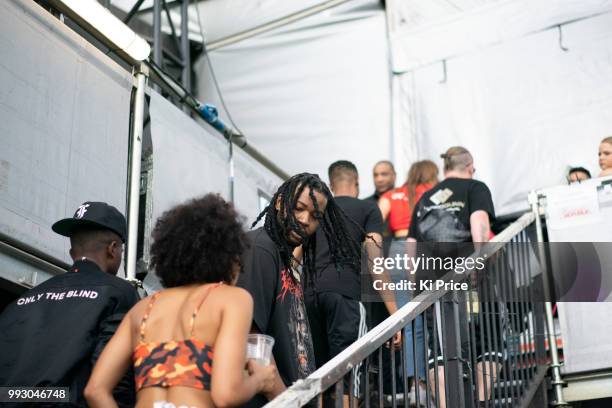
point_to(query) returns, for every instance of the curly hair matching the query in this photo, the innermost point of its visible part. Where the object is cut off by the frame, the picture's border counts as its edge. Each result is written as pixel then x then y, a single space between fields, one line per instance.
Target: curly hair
pixel 199 241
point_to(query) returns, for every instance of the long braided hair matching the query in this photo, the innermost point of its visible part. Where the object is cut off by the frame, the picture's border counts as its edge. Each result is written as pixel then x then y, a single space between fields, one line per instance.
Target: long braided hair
pixel 343 249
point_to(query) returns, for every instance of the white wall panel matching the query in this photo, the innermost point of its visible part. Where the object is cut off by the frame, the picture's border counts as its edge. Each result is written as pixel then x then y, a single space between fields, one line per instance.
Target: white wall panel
pixel 64 125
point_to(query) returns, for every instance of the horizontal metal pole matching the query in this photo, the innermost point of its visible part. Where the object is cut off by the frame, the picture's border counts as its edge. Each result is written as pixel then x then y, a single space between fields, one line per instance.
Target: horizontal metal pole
pixel 331 372
pixel 32 255
pixel 300 15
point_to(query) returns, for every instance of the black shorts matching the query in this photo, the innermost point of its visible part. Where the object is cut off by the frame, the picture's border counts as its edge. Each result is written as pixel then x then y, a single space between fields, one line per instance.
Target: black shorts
pixel 334 323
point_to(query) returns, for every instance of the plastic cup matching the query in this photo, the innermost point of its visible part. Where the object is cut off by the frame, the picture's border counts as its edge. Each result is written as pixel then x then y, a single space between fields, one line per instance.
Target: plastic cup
pixel 259 348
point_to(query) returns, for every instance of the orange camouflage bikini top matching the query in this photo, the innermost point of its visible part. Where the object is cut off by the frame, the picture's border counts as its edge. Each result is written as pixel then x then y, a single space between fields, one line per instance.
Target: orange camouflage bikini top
pixel 185 363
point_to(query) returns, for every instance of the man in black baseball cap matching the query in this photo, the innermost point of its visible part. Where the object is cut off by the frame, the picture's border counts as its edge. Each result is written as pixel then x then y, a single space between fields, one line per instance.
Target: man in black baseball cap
pixel 96 215
pixel 53 334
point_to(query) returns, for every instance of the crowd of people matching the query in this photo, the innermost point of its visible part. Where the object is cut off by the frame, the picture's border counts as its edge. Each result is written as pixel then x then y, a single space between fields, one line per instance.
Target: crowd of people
pixel 296 278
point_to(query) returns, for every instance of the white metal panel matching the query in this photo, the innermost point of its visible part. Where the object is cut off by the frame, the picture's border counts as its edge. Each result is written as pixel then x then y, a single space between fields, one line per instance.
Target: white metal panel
pixel 187 160
pixel 64 117
pixel 584 353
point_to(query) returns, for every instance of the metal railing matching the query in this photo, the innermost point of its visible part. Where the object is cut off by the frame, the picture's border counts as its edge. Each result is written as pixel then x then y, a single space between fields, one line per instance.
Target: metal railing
pixel 482 347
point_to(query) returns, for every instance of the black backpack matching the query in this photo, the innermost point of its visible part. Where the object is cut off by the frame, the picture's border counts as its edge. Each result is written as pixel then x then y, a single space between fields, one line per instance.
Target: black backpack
pixel 438 225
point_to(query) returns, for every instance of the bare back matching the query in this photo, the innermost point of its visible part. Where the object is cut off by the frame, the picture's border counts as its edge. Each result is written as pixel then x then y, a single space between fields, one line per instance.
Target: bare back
pixel 170 319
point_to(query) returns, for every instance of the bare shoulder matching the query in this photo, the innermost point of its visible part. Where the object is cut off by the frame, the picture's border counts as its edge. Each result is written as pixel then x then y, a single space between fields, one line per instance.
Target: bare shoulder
pixel 139 309
pixel 233 295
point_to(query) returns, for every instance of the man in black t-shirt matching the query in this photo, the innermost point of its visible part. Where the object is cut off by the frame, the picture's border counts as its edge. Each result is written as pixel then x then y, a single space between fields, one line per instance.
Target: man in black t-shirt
pixel 458 209
pixel 272 275
pixel 54 333
pixel 336 316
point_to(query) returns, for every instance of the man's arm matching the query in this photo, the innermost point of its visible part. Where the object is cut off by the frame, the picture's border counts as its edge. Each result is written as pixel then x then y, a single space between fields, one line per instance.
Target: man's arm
pixel 124 391
pixel 373 241
pixel 481 212
pixel 480 227
pixel 373 244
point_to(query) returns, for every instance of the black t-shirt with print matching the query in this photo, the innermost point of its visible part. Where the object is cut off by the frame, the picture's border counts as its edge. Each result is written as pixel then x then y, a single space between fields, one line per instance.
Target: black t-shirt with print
pixel 461 197
pixel 278 309
pixel 346 280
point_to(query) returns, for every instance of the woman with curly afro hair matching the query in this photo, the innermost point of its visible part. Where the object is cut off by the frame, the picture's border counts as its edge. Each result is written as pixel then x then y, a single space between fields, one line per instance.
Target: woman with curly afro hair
pixel 173 337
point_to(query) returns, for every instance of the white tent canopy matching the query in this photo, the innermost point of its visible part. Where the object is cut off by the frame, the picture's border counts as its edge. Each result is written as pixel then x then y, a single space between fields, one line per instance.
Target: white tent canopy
pixel 220 19
pixel 312 92
pixel 522 84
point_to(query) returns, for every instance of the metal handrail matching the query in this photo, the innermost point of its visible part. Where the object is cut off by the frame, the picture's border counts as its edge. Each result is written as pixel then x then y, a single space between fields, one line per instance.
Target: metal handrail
pixel 302 391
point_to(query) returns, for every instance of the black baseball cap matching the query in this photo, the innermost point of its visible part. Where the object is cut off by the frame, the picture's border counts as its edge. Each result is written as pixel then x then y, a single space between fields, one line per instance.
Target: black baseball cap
pixel 93 214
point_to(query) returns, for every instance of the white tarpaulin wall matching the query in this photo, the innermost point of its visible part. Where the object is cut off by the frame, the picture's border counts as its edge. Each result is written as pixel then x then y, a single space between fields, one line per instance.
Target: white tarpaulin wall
pixel 64 127
pixel 312 92
pixel 189 162
pixel 526 108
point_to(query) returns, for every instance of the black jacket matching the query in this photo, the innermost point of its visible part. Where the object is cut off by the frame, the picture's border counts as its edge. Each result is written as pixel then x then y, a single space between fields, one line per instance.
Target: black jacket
pixel 55 332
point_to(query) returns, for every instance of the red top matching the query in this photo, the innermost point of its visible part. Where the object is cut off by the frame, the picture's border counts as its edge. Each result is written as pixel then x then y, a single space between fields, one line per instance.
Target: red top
pixel 400 214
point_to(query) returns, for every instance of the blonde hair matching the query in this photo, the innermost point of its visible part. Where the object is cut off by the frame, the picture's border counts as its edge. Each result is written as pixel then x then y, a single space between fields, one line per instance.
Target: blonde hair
pixel 457 158
pixel 421 172
pixel 607 140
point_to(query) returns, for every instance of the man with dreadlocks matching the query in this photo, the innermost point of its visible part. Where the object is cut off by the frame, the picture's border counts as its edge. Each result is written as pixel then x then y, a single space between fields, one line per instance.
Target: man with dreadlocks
pixel 274 278
pixel 336 315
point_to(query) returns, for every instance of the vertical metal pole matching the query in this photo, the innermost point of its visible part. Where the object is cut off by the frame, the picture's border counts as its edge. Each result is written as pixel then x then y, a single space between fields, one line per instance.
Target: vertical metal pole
pixel 506 330
pixel 134 180
pixel 393 375
pixel 497 320
pixel 231 170
pixel 415 365
pixel 527 305
pixel 157 44
pixel 472 354
pixel 338 394
pixel 434 329
pixel 381 395
pixel 453 333
pixel 557 382
pixel 426 361
pixel 490 361
pixel 185 50
pixel 366 394
pixel 404 367
pixel 518 316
